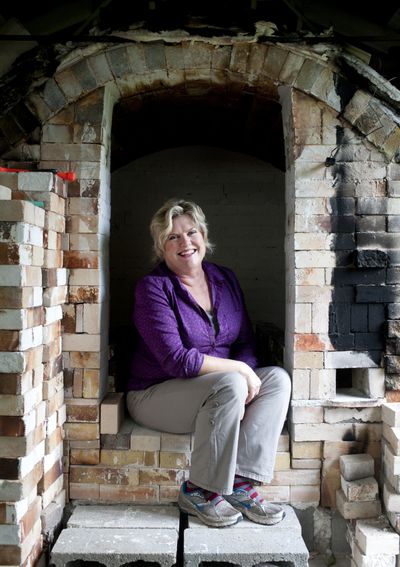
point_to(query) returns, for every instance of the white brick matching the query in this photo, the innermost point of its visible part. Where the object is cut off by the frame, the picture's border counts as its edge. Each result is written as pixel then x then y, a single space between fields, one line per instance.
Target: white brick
pixel 391 414
pixel 362 560
pixel 391 499
pixel 375 536
pixel 392 435
pixel 391 461
pixel 35 181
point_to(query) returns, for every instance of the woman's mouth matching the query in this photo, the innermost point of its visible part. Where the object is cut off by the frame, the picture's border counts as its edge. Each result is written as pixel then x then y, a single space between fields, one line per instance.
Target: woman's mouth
pixel 186 253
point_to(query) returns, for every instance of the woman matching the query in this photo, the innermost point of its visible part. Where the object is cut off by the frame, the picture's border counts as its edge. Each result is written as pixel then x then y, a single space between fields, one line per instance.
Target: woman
pixel 195 370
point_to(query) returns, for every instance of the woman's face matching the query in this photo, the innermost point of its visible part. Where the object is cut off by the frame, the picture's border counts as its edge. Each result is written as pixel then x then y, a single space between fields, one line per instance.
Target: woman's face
pixel 184 248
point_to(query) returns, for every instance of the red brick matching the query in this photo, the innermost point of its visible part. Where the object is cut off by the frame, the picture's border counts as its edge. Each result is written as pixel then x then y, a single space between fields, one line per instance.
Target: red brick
pixel 11 426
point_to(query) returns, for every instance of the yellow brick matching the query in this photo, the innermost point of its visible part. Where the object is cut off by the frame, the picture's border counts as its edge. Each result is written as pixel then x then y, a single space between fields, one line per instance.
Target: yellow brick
pixel 174 460
pixel 282 461
pixel 82 431
pixel 306 449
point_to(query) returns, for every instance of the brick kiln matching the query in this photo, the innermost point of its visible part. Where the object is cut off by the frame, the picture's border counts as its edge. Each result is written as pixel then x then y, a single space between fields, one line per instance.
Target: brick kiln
pixel 339 127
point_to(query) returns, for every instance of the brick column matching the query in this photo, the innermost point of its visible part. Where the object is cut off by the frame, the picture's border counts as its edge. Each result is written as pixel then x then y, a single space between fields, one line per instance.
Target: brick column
pixel 31 382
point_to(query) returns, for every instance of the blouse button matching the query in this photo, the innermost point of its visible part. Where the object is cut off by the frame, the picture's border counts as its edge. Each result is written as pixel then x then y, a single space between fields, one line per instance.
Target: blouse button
pixel 212 422
pixel 216 405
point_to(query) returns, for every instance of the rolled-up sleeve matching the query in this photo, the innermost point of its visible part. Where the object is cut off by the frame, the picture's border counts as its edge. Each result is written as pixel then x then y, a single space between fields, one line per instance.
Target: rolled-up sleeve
pixel 156 323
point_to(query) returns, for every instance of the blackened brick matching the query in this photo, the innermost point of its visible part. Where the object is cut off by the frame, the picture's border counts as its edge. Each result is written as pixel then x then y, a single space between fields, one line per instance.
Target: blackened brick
pixel 393 275
pixel 393 346
pixel 344 206
pixel 377 294
pixel 359 318
pixel 352 276
pixel 376 318
pixel 393 311
pixel 371 223
pixel 368 341
pixel 370 258
pixel 392 364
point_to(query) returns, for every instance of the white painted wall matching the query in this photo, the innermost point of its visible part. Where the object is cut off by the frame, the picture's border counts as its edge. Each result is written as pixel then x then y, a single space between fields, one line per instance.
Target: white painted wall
pixel 243 200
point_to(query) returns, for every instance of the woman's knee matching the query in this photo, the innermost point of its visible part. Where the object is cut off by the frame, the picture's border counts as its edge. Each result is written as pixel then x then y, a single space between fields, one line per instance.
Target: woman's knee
pixel 234 385
pixel 284 380
pixel 276 379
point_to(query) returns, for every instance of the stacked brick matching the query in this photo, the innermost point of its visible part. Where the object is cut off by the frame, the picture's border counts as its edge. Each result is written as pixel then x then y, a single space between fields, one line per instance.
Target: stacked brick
pixel 373 543
pixel 391 462
pixel 145 466
pixel 32 410
pixel 73 140
pixel 321 432
pixel 358 496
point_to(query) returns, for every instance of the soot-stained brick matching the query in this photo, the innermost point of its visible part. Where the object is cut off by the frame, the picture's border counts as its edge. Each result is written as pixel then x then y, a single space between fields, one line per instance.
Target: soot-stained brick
pixel 370 259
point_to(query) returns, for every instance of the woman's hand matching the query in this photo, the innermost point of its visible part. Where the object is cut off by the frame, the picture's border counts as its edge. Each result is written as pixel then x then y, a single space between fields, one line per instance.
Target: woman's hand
pixel 252 380
pixel 215 364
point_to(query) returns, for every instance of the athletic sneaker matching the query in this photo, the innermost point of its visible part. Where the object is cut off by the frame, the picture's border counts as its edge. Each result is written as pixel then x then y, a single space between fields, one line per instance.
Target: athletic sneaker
pixel 246 499
pixel 216 512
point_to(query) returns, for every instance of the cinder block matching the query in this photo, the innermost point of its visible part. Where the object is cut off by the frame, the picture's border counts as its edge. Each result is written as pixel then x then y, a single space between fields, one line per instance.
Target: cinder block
pixel 111 413
pixel 354 467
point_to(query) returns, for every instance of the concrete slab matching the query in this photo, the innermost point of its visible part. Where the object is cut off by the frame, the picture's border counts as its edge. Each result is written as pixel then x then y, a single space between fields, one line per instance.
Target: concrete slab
pixel 243 546
pixel 124 516
pixel 246 543
pixel 115 547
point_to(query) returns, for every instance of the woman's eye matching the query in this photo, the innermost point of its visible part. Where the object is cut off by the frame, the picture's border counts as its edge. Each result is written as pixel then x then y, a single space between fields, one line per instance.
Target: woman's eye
pixel 172 237
pixel 193 231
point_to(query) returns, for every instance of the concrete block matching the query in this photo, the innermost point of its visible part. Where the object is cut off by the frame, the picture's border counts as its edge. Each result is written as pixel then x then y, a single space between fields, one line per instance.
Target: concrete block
pixel 113 547
pixel 111 413
pixel 124 516
pixel 245 544
pixel 354 467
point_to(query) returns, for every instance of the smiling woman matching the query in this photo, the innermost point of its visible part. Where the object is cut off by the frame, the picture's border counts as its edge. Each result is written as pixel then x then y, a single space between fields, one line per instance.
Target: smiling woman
pixel 195 370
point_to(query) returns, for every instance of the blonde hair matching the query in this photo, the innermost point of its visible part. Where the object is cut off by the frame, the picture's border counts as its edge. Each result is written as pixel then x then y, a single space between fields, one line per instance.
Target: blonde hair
pixel 161 223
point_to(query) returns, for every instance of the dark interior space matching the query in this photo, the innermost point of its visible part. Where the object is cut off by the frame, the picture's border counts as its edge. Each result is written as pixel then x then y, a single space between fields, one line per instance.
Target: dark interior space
pixel 245 122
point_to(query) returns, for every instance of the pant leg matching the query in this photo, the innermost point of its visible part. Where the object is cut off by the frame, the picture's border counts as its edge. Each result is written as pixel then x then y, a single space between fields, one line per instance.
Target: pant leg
pixel 211 406
pixel 262 425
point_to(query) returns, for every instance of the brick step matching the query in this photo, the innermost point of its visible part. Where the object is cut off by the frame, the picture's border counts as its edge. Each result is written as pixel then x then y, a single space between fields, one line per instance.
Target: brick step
pixel 118 534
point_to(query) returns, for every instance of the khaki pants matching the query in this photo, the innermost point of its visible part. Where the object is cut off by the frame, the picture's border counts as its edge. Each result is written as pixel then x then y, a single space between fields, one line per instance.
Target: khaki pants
pixel 212 406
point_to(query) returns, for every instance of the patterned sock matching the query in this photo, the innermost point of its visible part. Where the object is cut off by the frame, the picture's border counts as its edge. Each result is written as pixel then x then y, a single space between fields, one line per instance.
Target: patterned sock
pixel 245 484
pixel 212 497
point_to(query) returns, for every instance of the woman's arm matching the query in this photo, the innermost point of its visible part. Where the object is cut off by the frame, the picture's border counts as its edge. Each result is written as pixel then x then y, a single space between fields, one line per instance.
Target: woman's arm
pixel 215 364
pixel 156 322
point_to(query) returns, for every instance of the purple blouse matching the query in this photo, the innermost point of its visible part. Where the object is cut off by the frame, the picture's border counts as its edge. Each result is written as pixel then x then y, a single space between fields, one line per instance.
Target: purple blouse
pixel 175 332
